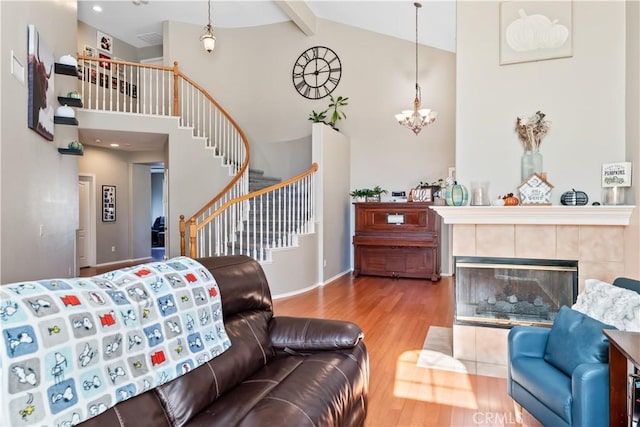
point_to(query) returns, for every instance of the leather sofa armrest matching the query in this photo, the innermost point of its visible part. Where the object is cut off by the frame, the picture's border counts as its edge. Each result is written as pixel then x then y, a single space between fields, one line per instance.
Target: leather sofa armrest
pixel 529 341
pixel 590 391
pixel 304 334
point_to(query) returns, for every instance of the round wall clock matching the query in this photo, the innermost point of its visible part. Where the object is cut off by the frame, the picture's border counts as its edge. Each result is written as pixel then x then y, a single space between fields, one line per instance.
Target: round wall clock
pixel 316 72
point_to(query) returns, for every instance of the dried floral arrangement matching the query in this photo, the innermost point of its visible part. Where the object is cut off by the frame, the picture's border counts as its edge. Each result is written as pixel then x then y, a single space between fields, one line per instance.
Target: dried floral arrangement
pixel 532 129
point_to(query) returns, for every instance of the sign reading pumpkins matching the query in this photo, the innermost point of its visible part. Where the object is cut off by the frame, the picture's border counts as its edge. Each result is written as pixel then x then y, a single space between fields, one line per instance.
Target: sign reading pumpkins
pixel 616 174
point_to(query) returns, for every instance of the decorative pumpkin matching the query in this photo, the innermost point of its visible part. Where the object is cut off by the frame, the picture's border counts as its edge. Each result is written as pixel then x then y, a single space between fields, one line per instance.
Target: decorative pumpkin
pixel 574 198
pixel 456 195
pixel 511 200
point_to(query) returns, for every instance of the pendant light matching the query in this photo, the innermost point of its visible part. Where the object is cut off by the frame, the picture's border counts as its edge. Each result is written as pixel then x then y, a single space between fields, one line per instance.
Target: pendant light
pixel 418 117
pixel 208 39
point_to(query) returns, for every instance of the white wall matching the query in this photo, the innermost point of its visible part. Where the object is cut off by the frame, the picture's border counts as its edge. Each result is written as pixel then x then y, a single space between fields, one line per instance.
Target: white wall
pixel 632 236
pixel 249 73
pixel 583 96
pixel 333 205
pixel 38 185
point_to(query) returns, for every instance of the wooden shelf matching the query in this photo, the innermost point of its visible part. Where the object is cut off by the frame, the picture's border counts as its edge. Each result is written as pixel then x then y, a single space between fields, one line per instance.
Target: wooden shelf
pixel 71 102
pixel 70 151
pixel 65 120
pixel 67 70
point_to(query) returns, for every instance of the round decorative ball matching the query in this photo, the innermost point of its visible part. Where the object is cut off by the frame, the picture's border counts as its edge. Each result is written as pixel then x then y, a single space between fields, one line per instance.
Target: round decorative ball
pixel 456 195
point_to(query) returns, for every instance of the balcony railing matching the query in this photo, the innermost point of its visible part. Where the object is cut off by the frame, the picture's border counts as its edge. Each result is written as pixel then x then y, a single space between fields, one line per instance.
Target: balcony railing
pixel 233 221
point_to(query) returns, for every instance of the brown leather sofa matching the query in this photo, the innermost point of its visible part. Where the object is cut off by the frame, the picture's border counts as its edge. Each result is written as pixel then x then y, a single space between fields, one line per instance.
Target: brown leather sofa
pixel 279 371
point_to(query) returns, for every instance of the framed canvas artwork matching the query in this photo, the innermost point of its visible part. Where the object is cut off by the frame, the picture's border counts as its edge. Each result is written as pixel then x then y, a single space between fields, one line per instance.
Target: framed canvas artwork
pixel 535 30
pixel 104 42
pixel 41 94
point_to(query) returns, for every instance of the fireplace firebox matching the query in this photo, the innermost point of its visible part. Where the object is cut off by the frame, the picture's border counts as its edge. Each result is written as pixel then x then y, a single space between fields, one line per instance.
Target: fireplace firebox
pixel 503 292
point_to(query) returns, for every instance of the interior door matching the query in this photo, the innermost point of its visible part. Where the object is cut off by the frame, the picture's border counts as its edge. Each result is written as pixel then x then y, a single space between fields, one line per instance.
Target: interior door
pixel 84 192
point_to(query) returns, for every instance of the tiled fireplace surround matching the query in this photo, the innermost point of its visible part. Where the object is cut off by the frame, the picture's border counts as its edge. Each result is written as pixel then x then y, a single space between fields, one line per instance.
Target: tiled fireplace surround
pixel 592 235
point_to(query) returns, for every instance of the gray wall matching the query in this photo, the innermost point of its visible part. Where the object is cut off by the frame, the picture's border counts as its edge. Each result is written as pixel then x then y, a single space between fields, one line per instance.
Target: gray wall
pixel 38 186
pixel 140 234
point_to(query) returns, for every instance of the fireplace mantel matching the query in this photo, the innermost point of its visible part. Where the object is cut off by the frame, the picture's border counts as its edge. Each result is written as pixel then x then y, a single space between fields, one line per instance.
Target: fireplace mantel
pixel 544 215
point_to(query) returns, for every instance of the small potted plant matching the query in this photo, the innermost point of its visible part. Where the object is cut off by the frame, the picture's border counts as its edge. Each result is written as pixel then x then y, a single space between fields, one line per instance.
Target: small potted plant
pixel 318 117
pixel 375 194
pixel 359 195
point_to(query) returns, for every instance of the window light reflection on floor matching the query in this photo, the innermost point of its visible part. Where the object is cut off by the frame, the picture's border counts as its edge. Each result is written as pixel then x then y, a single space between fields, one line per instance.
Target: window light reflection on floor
pixel 432 385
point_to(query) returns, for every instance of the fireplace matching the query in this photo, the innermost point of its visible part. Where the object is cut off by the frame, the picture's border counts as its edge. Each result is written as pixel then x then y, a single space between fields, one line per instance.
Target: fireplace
pixel 502 292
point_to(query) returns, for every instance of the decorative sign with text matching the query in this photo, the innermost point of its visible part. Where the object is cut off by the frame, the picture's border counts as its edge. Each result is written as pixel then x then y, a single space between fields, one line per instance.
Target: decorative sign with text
pixel 616 174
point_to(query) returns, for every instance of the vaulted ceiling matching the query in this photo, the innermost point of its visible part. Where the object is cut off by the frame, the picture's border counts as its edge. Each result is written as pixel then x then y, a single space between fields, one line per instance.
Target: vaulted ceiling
pixel 139 22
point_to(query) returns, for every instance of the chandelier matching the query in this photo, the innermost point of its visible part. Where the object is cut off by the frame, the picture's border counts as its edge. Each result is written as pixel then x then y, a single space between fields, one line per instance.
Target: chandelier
pixel 208 39
pixel 419 117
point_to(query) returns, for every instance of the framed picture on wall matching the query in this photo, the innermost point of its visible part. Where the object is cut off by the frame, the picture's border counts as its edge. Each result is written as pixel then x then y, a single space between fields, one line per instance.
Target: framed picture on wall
pixel 103 64
pixel 41 91
pixel 535 30
pixel 108 203
pixel 89 51
pixel 104 42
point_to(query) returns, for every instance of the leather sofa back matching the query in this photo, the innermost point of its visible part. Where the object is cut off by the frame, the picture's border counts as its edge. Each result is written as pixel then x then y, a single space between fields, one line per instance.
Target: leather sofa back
pixel 247 311
pixel 247 307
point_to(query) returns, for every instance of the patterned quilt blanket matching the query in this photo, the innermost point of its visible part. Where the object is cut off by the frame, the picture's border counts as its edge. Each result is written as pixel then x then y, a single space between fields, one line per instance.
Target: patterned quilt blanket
pixel 72 348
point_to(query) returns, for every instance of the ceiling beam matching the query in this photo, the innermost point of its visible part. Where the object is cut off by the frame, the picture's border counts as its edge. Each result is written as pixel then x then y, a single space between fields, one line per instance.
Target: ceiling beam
pixel 300 14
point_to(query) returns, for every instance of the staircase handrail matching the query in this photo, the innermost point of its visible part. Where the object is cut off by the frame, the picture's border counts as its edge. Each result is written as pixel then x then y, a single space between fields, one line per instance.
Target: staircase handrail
pixel 194 228
pixel 117 69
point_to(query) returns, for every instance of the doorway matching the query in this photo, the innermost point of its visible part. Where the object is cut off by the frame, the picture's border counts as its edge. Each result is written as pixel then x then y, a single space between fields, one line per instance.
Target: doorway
pixel 86 235
pixel 158 210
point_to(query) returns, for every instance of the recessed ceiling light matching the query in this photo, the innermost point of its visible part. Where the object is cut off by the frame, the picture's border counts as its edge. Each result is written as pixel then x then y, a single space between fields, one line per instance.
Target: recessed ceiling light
pixel 97 8
pixel 98 141
pixel 114 145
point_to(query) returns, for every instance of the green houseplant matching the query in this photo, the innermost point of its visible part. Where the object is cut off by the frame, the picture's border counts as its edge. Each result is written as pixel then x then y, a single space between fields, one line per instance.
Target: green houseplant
pixel 368 194
pixel 335 106
pixel 318 117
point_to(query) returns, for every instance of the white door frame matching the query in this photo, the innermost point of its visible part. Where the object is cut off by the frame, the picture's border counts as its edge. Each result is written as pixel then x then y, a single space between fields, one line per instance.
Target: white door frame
pixel 91 232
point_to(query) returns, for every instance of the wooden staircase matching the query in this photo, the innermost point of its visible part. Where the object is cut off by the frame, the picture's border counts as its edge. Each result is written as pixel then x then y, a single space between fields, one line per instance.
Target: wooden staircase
pixel 253 213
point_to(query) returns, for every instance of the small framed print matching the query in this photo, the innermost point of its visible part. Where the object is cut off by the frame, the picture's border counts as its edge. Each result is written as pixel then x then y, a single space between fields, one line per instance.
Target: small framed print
pixel 421 194
pixel 108 203
pixel 103 64
pixel 89 51
pixel 104 42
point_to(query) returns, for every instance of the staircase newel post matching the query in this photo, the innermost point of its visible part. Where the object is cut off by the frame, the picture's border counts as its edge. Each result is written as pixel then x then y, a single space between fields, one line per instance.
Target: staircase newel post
pixel 192 238
pixel 182 242
pixel 176 101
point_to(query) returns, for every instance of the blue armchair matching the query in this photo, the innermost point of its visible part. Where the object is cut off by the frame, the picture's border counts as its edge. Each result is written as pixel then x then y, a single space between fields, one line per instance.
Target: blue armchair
pixel 560 375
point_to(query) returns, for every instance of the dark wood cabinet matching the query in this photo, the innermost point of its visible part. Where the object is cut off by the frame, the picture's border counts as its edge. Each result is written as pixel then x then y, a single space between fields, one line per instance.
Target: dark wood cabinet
pixel 397 240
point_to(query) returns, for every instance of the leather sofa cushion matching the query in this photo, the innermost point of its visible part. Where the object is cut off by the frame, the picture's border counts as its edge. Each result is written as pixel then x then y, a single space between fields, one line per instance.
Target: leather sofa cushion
pixel 574 339
pixel 296 391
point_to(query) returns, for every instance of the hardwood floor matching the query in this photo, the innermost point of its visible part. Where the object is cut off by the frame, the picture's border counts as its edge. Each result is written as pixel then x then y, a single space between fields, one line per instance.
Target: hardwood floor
pixel 395 315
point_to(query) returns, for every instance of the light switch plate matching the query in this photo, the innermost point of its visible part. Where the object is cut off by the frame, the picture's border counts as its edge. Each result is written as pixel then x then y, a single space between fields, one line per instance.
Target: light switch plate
pixel 17 69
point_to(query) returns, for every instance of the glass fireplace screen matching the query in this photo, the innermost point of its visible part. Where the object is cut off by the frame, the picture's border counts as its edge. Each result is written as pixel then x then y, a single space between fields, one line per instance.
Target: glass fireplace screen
pixel 503 292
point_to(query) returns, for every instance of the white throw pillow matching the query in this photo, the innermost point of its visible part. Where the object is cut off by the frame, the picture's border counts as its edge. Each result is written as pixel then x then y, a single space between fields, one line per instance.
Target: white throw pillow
pixel 610 304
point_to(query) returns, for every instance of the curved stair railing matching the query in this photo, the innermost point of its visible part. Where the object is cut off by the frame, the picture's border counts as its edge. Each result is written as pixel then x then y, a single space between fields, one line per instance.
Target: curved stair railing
pixel 233 221
pixel 256 223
